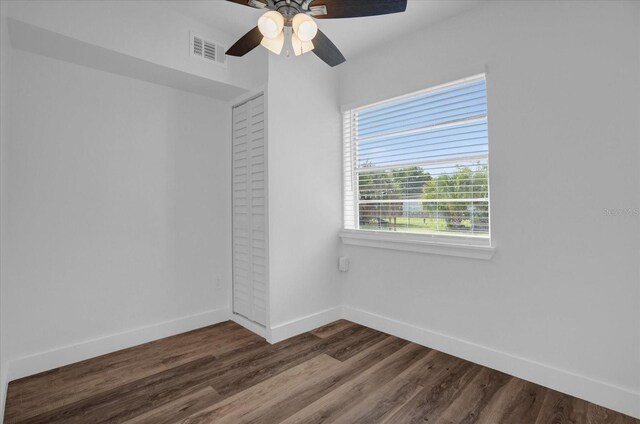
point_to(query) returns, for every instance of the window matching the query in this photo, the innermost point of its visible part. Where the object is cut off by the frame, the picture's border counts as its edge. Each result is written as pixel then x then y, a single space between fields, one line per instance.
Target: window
pixel 419 164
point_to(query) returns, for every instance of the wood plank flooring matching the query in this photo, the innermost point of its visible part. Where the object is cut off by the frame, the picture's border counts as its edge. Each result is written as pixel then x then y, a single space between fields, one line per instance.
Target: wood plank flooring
pixel 340 373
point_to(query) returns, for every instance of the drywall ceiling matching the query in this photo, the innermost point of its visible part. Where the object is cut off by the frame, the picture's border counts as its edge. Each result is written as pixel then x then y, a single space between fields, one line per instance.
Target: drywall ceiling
pixel 352 36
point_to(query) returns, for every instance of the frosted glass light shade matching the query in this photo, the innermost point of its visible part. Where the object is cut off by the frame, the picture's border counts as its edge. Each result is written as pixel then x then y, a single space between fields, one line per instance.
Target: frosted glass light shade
pixel 274 44
pixel 300 47
pixel 270 24
pixel 304 27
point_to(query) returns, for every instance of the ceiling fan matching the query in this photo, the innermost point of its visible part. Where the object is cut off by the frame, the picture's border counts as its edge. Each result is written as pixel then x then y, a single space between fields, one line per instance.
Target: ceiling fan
pixel 296 18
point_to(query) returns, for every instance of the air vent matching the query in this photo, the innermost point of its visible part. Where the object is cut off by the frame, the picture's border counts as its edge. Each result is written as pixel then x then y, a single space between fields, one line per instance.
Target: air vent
pixel 207 50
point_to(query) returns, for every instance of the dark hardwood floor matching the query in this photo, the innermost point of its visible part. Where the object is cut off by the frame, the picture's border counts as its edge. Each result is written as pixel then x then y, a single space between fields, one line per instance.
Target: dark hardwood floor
pixel 340 373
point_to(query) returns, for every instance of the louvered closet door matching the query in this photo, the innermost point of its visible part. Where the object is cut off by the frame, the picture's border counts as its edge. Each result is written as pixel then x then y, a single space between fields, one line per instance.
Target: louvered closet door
pixel 249 211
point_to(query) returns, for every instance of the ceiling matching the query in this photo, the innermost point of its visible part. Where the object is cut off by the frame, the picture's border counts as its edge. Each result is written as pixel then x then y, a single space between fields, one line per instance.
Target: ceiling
pixel 352 36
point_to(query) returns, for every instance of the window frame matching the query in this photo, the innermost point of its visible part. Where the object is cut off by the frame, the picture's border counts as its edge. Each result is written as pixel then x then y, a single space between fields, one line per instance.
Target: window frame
pixel 461 245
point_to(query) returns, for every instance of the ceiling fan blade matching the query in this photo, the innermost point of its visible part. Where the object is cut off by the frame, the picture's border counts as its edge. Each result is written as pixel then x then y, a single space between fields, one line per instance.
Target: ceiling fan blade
pixel 246 43
pixel 326 50
pixel 358 8
pixel 258 4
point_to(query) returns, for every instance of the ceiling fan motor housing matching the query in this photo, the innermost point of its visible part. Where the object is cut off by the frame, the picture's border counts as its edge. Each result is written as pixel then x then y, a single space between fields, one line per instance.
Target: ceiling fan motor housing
pixel 290 8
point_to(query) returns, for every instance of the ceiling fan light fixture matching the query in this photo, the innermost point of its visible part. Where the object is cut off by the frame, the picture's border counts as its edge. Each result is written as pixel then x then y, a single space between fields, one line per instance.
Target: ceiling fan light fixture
pixel 274 44
pixel 300 47
pixel 271 24
pixel 304 27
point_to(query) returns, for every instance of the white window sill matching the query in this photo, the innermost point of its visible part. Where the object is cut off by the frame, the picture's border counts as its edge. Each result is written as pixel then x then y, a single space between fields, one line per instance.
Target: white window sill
pixel 466 247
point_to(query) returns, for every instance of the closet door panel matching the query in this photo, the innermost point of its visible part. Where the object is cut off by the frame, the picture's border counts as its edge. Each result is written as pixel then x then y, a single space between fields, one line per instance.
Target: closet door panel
pixel 242 296
pixel 250 215
pixel 257 160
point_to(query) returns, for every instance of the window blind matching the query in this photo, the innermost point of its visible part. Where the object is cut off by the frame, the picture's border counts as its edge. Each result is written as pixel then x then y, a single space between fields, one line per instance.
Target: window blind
pixel 419 163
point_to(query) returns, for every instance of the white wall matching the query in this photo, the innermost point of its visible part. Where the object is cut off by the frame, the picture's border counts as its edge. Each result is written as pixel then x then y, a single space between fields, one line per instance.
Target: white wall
pixel 304 165
pixel 113 219
pixel 143 30
pixel 563 289
pixel 4 80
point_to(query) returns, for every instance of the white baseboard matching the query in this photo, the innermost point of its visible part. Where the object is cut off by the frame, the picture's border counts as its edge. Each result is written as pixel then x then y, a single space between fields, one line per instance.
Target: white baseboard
pixel 307 323
pixel 599 392
pixel 249 325
pixel 54 358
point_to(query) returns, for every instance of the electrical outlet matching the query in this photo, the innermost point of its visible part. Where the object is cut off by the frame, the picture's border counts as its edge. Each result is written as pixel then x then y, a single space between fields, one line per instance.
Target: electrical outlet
pixel 218 282
pixel 343 264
